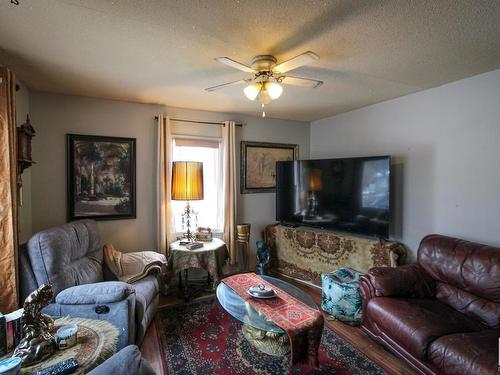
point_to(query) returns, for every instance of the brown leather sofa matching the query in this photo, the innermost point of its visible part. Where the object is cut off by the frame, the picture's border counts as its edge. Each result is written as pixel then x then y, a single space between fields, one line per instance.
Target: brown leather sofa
pixel 441 314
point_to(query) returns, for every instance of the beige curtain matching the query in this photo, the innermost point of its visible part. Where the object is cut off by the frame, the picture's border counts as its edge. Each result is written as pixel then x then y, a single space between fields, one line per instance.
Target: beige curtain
pixel 8 193
pixel 165 224
pixel 230 188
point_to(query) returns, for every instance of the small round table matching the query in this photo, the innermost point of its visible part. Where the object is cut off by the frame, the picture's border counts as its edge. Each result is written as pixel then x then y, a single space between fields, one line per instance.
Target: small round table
pixel 211 257
pixel 96 342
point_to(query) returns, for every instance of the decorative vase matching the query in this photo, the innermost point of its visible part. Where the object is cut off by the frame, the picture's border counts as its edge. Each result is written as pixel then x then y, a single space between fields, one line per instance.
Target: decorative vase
pixel 243 240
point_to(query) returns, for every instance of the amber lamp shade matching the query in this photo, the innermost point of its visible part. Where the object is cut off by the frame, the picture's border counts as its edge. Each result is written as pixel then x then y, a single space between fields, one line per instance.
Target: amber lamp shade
pixel 315 182
pixel 187 181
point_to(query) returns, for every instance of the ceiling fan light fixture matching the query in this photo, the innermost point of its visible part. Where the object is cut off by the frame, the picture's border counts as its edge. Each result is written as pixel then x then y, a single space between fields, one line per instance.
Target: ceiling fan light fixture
pixel 252 91
pixel 269 78
pixel 264 97
pixel 274 90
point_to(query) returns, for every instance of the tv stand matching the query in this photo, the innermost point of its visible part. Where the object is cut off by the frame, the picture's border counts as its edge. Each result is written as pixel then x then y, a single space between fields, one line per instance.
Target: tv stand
pixel 304 252
pixel 290 225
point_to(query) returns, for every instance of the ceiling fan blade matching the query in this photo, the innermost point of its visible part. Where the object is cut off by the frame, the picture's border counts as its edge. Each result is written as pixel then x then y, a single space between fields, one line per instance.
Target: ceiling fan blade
pixel 298 81
pixel 234 64
pixel 213 88
pixel 296 62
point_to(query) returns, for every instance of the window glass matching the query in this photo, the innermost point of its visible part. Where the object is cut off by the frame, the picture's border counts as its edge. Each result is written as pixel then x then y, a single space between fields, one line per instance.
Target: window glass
pixel 209 210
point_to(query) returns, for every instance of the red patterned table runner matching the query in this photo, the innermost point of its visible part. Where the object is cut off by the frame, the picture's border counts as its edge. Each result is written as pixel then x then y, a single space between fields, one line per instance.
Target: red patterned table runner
pixel 302 323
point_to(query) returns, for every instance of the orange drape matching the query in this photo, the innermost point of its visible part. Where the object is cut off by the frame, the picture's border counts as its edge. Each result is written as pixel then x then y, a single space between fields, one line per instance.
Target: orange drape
pixel 165 221
pixel 230 189
pixel 8 193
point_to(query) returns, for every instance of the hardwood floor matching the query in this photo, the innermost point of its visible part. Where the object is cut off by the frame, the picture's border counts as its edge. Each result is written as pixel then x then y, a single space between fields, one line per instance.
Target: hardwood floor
pixel 150 347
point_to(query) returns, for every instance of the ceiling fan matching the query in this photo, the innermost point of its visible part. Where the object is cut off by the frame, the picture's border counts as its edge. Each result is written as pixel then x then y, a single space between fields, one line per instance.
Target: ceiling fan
pixel 268 76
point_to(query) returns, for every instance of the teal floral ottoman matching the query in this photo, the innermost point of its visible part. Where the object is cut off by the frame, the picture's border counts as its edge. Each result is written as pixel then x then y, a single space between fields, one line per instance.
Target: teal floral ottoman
pixel 341 296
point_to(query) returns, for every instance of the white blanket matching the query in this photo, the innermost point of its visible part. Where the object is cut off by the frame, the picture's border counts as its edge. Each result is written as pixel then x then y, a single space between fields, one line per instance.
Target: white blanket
pixel 130 267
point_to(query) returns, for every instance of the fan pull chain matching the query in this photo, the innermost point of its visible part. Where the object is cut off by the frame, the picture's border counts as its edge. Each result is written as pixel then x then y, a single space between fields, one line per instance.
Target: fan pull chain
pixel 263 112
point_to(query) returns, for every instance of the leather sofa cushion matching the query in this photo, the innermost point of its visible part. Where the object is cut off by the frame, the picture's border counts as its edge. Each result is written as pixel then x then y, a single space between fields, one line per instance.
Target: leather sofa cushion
pixel 466 353
pixel 415 323
pixel 67 255
pixel 409 280
pixel 472 267
pixel 482 309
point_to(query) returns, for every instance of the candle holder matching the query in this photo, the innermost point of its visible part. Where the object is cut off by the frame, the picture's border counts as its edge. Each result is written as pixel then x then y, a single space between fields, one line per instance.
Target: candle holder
pixel 243 239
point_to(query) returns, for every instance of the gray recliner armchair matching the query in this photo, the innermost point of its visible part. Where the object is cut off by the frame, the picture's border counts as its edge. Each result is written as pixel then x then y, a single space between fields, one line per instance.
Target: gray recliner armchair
pixel 70 257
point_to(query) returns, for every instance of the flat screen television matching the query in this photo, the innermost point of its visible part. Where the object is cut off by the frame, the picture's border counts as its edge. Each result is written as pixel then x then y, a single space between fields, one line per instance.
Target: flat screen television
pixel 351 194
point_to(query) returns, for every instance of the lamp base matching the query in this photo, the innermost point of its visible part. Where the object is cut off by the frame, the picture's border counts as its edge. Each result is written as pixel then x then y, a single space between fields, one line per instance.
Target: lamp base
pixel 186 218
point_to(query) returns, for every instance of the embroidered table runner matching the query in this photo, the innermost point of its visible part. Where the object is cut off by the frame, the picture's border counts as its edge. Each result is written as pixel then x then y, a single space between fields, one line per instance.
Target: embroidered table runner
pixel 302 323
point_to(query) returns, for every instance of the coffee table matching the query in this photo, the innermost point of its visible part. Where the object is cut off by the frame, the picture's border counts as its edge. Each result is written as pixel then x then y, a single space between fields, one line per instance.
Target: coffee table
pixel 257 329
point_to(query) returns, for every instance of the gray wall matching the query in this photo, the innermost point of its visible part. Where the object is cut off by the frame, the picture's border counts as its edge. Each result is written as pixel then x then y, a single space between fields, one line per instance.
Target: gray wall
pixel 56 115
pixel 446 155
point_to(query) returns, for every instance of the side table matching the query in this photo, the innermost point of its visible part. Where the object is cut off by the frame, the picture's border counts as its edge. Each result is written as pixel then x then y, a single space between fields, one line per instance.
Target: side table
pixel 211 257
pixel 96 342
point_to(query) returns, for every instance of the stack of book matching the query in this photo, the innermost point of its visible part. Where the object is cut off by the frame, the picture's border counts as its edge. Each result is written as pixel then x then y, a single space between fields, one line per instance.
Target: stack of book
pixel 203 234
pixel 11 330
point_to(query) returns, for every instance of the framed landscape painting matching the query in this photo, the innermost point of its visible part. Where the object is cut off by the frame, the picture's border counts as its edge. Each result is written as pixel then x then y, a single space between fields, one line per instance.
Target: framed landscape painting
pixel 258 164
pixel 101 177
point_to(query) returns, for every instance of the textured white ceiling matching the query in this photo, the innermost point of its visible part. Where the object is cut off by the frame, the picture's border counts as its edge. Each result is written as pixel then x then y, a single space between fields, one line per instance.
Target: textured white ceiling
pixel 163 51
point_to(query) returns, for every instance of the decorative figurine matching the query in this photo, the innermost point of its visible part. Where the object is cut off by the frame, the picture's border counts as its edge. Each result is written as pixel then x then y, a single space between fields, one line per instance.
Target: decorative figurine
pixel 37 343
pixel 263 257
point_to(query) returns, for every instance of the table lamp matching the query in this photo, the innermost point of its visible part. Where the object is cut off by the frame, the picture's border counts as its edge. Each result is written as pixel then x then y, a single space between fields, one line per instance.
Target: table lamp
pixel 187 185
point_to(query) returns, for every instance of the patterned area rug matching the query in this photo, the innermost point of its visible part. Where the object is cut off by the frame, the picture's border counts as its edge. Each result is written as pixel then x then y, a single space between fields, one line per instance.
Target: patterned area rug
pixel 202 338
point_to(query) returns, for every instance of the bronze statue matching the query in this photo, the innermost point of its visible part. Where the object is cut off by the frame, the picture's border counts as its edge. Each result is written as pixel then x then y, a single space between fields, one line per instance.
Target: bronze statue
pixel 263 257
pixel 37 343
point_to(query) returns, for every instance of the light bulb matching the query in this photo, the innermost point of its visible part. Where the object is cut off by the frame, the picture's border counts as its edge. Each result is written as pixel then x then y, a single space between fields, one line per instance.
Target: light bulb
pixel 264 97
pixel 251 91
pixel 274 90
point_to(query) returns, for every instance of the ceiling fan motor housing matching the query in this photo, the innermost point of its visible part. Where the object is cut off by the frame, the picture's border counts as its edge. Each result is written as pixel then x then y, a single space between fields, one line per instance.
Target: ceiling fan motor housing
pixel 263 63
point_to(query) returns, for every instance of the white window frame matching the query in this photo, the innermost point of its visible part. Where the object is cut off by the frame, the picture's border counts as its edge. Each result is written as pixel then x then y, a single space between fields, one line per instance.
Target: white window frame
pixel 217 232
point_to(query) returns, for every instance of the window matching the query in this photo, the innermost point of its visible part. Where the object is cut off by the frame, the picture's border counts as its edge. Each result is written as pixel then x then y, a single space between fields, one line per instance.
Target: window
pixel 209 209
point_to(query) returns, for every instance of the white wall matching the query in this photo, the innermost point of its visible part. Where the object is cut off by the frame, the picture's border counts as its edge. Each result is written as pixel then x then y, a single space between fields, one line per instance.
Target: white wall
pixel 25 212
pixel 446 155
pixel 56 115
pixel 260 209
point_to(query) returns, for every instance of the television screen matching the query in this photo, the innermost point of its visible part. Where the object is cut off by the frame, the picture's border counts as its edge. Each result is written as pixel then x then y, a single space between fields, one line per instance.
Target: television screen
pixel 347 194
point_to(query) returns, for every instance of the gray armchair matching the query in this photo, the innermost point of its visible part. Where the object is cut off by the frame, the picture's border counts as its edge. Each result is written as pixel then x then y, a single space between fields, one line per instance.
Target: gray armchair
pixel 70 257
pixel 127 361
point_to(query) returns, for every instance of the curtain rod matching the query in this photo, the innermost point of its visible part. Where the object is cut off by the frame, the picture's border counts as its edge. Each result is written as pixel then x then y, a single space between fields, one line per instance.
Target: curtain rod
pixel 199 122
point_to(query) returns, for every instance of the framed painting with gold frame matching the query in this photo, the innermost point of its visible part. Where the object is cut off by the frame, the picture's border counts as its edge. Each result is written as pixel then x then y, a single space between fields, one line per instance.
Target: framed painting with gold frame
pixel 258 165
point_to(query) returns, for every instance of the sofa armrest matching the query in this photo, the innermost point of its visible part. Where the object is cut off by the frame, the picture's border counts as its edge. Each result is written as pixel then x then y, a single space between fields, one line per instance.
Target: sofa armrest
pixel 97 293
pixel 409 280
pixel 127 361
